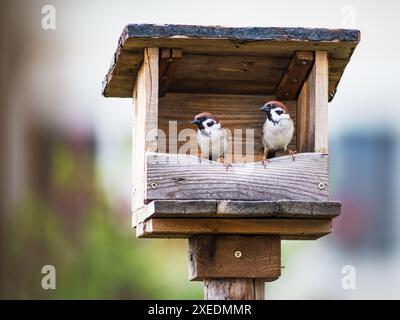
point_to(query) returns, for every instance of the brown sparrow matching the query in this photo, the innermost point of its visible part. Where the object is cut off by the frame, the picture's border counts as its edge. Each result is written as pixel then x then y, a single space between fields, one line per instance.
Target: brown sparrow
pixel 277 130
pixel 211 136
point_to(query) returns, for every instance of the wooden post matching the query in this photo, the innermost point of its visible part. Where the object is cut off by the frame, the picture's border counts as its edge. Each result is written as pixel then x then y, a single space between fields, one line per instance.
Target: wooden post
pixel 234 267
pixel 312 108
pixel 145 97
pixel 234 289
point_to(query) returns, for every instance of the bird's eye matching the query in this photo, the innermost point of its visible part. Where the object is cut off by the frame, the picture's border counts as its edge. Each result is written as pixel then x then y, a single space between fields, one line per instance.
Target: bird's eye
pixel 210 123
pixel 279 112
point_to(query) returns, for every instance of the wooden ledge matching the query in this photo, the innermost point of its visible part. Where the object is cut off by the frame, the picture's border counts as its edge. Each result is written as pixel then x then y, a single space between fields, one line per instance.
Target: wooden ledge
pixel 291 220
pixel 287 229
pixel 238 209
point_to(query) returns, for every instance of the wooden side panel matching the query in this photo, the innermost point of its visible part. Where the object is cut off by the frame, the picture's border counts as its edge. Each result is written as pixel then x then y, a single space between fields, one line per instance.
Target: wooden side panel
pixel 183 177
pixel 312 108
pixel 213 257
pixel 236 112
pixel 234 289
pixel 145 98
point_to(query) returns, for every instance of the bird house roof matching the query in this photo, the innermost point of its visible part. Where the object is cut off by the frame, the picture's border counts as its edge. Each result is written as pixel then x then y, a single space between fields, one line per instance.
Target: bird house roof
pixel 215 59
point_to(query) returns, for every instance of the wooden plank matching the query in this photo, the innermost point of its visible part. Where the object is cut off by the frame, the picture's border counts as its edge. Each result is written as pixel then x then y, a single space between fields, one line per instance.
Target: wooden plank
pixel 319 100
pixel 235 112
pixel 285 228
pixel 295 75
pixel 144 131
pixel 303 121
pixel 234 289
pixel 274 42
pixel 213 257
pixel 168 74
pixel 152 31
pixel 225 86
pixel 282 179
pixel 239 209
pixel 312 108
pixel 165 56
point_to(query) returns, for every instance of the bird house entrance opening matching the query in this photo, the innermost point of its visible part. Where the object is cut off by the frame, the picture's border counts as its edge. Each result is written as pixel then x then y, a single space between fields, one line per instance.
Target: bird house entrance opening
pixel 209 104
pixel 237 117
pixel 174 130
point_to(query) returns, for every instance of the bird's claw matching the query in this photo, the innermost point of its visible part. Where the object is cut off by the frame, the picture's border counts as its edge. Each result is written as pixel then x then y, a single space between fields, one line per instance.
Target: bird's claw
pixel 292 153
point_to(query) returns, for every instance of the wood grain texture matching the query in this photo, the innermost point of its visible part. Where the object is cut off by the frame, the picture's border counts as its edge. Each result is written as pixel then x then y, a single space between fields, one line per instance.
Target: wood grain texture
pixel 213 257
pixel 287 229
pixel 168 74
pixel 319 100
pixel 165 56
pixel 248 33
pixel 295 75
pixel 145 97
pixel 304 130
pixel 239 209
pixel 234 289
pixel 312 108
pixel 186 177
pixel 229 74
pixel 200 40
pixel 236 112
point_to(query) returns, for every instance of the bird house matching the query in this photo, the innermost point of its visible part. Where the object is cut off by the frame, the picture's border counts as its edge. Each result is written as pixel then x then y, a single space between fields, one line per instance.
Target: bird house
pixel 234 216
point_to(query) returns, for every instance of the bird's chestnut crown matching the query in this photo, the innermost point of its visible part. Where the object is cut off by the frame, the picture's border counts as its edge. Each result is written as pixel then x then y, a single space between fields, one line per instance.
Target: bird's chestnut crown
pixel 275 110
pixel 205 119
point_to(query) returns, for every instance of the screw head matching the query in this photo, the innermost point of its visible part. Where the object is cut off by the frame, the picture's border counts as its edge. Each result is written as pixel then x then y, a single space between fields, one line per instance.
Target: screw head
pixel 238 254
pixel 321 186
pixel 304 62
pixel 154 185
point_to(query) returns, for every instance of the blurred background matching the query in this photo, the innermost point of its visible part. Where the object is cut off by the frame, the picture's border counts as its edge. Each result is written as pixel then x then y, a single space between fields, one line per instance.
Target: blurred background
pixel 66 155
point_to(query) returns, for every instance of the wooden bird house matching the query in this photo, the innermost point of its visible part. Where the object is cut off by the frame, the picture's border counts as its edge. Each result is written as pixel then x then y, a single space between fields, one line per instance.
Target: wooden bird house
pixel 234 218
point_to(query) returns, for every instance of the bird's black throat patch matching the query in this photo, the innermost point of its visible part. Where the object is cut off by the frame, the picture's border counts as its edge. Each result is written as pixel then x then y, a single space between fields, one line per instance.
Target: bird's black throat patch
pixel 269 116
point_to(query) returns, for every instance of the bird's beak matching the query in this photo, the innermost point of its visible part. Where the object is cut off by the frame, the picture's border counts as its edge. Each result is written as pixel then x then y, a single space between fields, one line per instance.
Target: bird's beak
pixel 265 108
pixel 196 122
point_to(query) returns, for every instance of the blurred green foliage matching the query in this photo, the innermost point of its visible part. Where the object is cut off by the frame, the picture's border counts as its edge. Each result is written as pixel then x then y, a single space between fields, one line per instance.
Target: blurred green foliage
pixel 95 252
pixel 103 261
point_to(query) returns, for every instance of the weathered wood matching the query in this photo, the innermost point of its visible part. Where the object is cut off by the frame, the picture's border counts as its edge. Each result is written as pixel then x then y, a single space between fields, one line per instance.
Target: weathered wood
pixel 229 74
pixel 295 75
pixel 185 177
pixel 199 40
pixel 144 131
pixel 243 34
pixel 319 100
pixel 304 132
pixel 238 209
pixel 171 68
pixel 234 289
pixel 165 56
pixel 235 112
pixel 287 229
pixel 312 108
pixel 213 257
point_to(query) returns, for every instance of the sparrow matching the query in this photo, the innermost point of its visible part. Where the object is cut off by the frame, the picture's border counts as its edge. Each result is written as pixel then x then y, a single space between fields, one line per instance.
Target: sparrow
pixel 212 138
pixel 277 129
